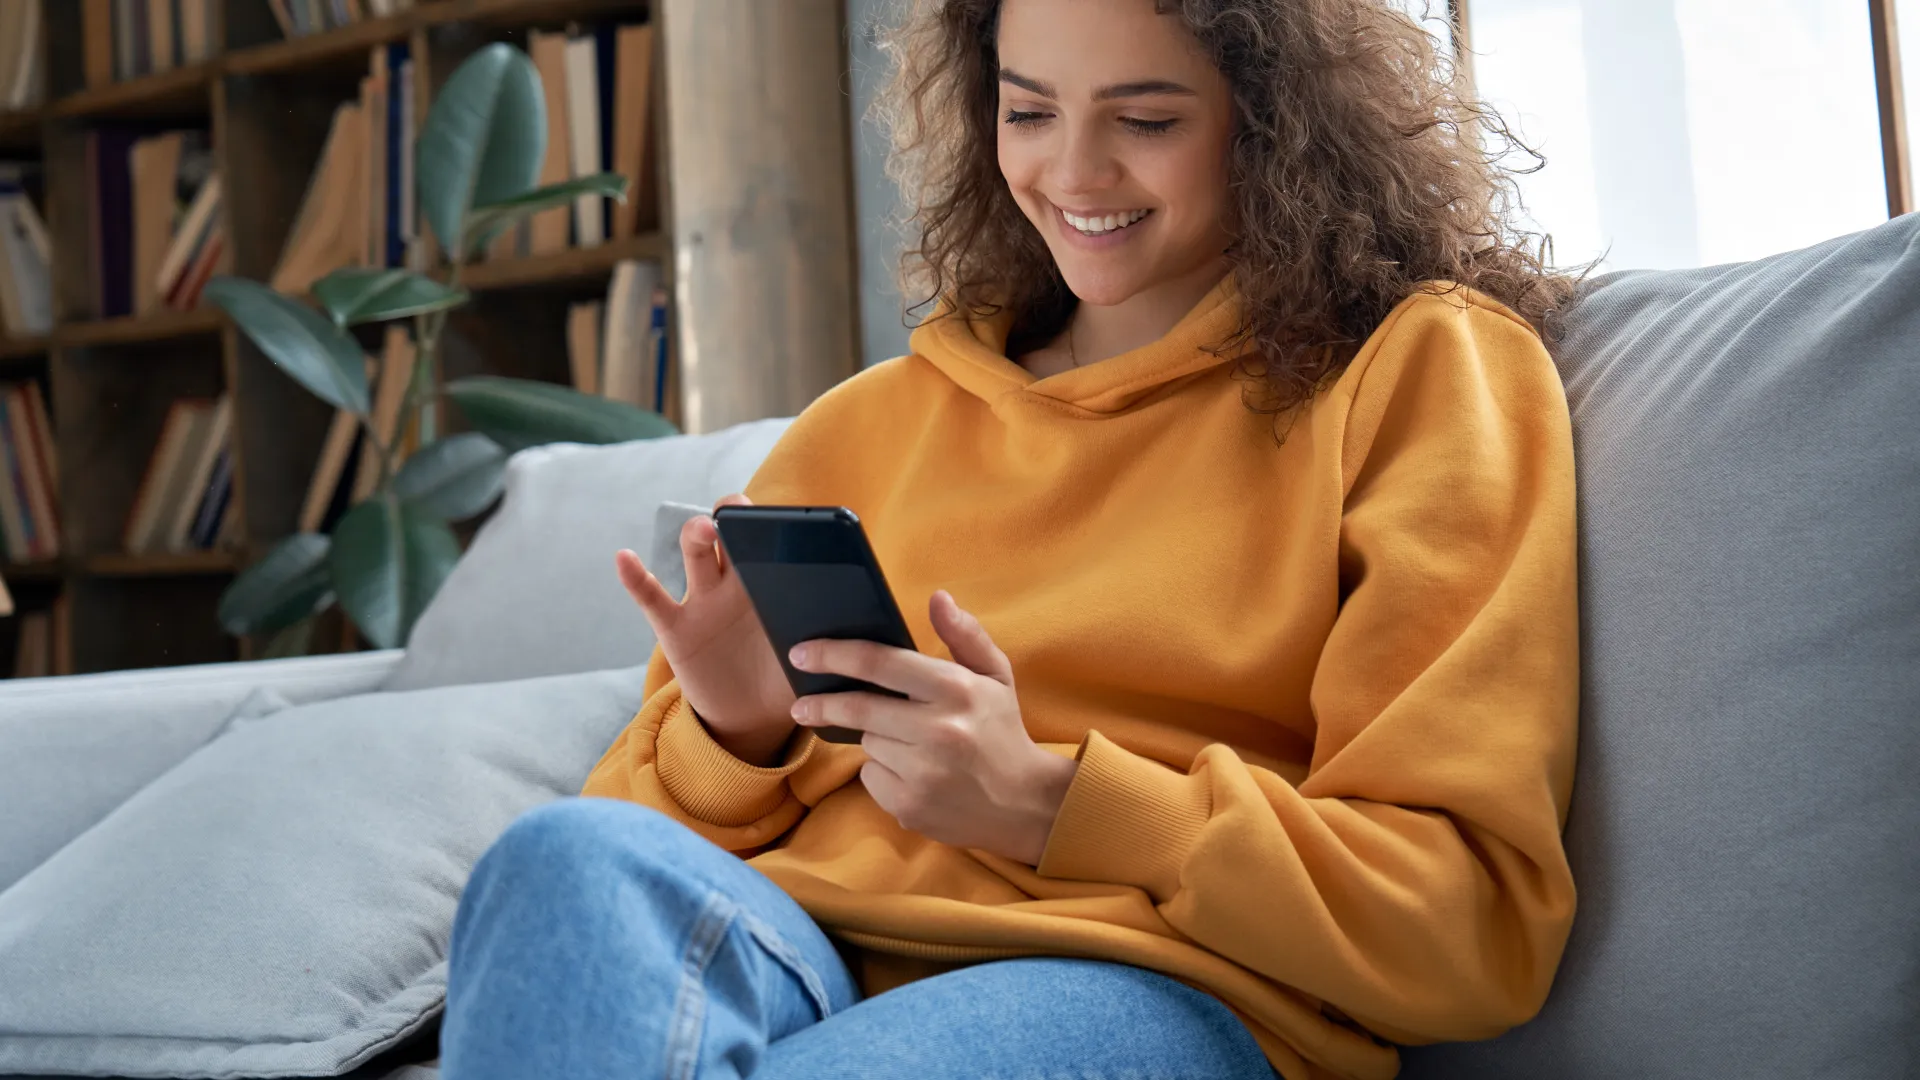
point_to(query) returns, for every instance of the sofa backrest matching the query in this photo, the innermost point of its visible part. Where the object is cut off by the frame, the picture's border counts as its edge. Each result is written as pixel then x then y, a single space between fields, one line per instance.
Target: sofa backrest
pixel 1745 826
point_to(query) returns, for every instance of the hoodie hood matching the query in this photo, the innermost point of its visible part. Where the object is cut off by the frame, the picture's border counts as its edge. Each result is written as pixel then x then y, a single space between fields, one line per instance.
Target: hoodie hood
pixel 972 352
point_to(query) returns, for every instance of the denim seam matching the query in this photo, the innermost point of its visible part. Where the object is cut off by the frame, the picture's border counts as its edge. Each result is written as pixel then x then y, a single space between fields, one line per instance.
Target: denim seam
pixel 690 1002
pixel 790 958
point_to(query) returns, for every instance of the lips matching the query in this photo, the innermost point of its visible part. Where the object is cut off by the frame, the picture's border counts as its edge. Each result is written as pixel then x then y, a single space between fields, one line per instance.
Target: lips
pixel 1096 224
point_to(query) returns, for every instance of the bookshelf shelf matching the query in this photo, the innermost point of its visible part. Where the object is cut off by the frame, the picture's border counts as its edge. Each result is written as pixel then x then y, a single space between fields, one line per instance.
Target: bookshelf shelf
pixel 181 91
pixel 22 348
pixel 163 564
pixel 574 264
pixel 136 329
pixel 41 570
pixel 20 129
pixel 297 53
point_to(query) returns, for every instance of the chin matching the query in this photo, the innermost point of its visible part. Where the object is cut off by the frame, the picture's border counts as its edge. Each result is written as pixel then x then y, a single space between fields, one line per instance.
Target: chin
pixel 1104 286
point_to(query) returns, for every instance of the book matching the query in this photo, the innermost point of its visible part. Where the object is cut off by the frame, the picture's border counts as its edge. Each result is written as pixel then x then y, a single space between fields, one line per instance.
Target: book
pixel 626 361
pixel 328 469
pixel 212 510
pixel 109 152
pixel 168 172
pixel 327 233
pixel 633 75
pixel 196 226
pixel 14 521
pixel 33 648
pixel 43 431
pixel 162 481
pixel 26 284
pixel 210 259
pixel 657 342
pixel 124 67
pixel 6 599
pixel 583 128
pixel 196 30
pixel 390 392
pixel 583 345
pixel 160 16
pixel 20 65
pixel 547 230
pixel 96 34
pixel 209 442
pixel 375 89
pixel 30 451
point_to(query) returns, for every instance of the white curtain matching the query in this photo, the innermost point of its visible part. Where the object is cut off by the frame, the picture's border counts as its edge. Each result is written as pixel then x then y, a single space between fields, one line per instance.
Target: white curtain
pixel 1688 132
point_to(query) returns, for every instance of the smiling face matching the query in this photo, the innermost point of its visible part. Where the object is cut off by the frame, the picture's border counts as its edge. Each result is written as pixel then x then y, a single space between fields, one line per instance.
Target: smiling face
pixel 1113 138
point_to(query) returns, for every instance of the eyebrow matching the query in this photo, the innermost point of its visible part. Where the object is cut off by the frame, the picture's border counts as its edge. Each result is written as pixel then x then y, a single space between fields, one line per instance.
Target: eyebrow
pixel 1140 88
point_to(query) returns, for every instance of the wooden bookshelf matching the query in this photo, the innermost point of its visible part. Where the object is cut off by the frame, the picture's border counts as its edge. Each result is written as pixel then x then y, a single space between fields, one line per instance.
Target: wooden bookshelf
pixel 267 103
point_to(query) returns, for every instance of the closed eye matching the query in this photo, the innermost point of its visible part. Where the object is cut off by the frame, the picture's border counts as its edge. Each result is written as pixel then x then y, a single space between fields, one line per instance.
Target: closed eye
pixel 1149 127
pixel 1018 118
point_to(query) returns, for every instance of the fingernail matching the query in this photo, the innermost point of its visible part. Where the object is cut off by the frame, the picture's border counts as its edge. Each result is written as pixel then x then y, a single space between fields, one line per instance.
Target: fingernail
pixel 800 655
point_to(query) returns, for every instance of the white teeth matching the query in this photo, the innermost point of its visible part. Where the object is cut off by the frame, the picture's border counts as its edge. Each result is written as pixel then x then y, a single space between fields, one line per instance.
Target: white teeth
pixel 1106 223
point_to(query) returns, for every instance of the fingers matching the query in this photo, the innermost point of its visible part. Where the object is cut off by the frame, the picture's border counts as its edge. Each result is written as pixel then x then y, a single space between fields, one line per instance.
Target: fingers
pixel 917 675
pixel 699 551
pixel 874 714
pixel 645 589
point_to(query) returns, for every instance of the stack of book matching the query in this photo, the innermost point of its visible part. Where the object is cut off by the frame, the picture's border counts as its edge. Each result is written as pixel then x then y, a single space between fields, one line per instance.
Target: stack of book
pixel 26 254
pixel 29 475
pixel 22 76
pixel 298 18
pixel 185 500
pixel 348 469
pixel 360 208
pixel 40 648
pixel 617 348
pixel 156 237
pixel 127 39
pixel 596 82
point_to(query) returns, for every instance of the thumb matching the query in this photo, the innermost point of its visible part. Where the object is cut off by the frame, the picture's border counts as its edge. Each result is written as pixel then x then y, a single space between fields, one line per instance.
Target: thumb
pixel 967 639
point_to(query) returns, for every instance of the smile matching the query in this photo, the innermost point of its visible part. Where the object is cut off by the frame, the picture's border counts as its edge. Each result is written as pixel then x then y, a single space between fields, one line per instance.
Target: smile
pixel 1103 223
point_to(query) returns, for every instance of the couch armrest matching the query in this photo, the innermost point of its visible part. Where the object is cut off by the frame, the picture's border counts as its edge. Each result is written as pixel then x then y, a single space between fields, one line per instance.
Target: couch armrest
pixel 73 748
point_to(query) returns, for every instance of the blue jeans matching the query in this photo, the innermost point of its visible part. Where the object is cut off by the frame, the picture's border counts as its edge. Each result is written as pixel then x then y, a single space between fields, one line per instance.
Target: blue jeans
pixel 601 939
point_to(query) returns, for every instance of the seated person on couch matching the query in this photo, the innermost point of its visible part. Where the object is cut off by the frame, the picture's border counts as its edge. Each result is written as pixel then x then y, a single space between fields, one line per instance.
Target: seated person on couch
pixel 1229 495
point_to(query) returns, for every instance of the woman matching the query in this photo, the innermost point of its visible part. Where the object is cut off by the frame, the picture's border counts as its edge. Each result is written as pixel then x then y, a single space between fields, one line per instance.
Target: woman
pixel 1238 489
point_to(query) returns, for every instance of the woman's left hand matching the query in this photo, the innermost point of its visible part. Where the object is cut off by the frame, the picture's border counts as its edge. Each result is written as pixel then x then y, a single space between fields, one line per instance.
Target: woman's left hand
pixel 952 761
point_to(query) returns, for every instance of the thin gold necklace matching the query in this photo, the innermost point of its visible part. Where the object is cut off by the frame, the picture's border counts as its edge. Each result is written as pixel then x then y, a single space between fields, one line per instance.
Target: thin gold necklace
pixel 1073 354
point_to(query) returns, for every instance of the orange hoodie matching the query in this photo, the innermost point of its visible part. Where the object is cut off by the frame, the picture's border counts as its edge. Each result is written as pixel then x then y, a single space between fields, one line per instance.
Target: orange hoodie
pixel 1323 693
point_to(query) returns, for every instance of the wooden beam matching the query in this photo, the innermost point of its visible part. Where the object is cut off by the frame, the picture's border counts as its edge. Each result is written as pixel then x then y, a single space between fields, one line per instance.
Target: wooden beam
pixel 1894 151
pixel 759 196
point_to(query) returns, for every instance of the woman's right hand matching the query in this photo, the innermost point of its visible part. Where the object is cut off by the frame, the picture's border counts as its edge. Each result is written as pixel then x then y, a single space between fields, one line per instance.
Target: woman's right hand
pixel 715 643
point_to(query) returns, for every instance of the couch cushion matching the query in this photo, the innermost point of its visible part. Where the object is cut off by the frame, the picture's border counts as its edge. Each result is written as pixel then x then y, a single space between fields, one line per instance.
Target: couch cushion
pixel 535 594
pixel 279 903
pixel 73 748
pixel 1745 814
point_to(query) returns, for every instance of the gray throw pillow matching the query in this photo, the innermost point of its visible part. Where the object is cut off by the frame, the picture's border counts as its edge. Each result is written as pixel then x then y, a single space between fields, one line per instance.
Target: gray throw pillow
pixel 73 748
pixel 1745 826
pixel 279 903
pixel 535 594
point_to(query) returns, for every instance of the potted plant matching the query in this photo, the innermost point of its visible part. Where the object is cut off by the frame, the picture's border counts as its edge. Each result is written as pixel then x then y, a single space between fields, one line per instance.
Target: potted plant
pixel 477 159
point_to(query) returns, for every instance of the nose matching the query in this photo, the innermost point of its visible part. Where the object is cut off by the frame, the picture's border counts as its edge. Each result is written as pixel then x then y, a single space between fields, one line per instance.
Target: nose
pixel 1084 163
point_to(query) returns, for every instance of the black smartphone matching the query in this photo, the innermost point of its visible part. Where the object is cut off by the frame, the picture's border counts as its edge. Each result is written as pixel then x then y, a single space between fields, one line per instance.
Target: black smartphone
pixel 810 573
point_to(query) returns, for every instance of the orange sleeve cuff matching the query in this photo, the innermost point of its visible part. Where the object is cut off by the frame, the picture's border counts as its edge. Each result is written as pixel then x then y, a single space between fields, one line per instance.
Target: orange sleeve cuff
pixel 711 784
pixel 1126 820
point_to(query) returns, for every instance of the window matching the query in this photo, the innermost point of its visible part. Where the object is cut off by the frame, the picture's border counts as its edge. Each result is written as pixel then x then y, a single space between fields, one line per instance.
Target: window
pixel 1688 132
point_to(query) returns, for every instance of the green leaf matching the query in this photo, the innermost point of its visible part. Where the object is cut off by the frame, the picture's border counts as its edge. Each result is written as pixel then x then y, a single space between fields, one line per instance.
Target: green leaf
pixel 292 583
pixel 358 295
pixel 295 640
pixel 488 221
pixel 483 139
pixel 319 355
pixel 518 413
pixel 454 478
pixel 387 562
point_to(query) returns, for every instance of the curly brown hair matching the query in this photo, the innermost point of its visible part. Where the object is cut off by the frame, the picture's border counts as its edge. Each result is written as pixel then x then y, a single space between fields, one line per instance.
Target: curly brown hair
pixel 1360 169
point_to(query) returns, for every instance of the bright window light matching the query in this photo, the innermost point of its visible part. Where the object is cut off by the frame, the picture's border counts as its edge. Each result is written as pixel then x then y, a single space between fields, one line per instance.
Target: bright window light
pixel 1688 132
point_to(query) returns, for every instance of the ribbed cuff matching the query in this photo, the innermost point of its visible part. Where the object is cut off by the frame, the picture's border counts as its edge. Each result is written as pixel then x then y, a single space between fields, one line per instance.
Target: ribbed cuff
pixel 711 784
pixel 1126 820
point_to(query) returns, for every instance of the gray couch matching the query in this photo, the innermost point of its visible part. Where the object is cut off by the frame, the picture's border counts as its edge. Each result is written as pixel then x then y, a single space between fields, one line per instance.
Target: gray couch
pixel 1745 830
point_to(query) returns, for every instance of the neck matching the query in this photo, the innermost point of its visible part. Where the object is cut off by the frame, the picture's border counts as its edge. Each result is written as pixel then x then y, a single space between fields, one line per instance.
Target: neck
pixel 1141 319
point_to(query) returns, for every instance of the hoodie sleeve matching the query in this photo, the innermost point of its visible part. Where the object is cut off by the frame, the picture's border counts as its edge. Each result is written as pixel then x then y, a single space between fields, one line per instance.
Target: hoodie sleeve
pixel 1415 879
pixel 665 758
